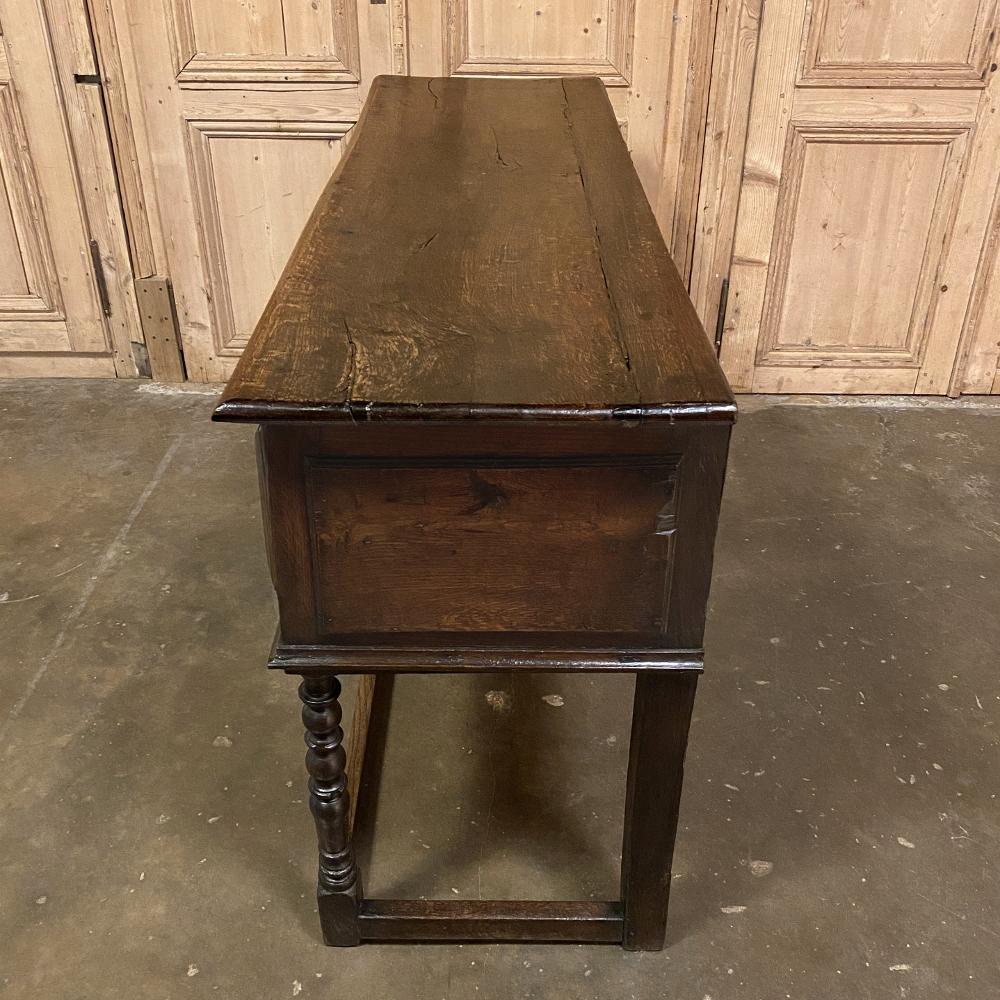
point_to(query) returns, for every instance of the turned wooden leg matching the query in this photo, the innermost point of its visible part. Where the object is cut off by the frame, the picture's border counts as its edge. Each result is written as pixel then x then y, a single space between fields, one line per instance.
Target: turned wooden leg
pixel 660 719
pixel 339 888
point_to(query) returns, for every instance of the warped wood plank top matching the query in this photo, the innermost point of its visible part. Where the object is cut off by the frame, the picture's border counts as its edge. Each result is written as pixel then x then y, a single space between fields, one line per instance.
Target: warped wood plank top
pixel 484 250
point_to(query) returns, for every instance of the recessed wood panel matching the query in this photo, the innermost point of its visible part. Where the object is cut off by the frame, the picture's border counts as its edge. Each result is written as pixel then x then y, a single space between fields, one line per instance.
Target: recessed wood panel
pixel 264 27
pixel 538 32
pixel 256 185
pixel 860 229
pixel 265 40
pixel 13 280
pixel 29 285
pixel 491 548
pixel 546 37
pixel 236 27
pixel 868 171
pixel 851 41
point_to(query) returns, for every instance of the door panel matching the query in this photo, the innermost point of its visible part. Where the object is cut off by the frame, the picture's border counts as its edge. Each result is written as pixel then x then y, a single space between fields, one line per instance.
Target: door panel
pixel 861 206
pixel 247 109
pixel 13 276
pixel 51 320
pixel 280 40
pixel 254 188
pixel 574 37
pixel 915 43
pixel 875 206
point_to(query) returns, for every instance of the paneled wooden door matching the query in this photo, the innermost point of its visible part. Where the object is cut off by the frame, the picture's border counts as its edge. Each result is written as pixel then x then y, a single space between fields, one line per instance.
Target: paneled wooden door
pixel 65 303
pixel 247 106
pixel 870 166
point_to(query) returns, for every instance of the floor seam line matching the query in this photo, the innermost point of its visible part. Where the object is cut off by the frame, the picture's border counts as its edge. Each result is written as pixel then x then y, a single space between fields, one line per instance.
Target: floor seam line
pixel 107 559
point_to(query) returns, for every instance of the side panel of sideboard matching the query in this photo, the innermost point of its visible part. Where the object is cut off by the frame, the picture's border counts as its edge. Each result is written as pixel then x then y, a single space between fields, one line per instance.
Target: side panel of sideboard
pixel 649 492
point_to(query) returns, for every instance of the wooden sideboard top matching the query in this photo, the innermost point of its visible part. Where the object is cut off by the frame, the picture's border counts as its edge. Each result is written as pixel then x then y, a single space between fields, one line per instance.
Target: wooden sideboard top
pixel 484 250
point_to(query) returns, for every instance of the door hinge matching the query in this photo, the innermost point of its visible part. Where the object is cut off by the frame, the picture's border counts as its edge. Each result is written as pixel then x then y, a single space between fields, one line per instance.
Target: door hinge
pixel 99 278
pixel 720 323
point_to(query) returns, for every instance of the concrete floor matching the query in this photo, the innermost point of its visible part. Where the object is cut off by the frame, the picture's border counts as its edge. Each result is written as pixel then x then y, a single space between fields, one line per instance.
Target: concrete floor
pixel 840 825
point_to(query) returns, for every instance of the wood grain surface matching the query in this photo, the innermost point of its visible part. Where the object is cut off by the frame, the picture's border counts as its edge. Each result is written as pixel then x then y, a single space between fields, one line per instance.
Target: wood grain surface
pixel 526 548
pixel 484 249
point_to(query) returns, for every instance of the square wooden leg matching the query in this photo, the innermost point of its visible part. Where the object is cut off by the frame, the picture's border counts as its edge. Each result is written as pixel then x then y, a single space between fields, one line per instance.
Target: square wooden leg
pixel 661 717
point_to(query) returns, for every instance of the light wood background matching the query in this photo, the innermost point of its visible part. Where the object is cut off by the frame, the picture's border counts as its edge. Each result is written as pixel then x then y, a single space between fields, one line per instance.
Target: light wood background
pixel 870 166
pixel 837 161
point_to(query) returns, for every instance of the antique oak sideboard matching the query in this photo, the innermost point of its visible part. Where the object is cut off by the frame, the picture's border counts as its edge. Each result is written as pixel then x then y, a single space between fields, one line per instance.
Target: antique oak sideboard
pixel 492 438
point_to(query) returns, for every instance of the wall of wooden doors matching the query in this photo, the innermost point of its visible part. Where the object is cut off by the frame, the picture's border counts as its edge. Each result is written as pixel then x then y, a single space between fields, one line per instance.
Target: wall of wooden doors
pixel 836 160
pixel 864 252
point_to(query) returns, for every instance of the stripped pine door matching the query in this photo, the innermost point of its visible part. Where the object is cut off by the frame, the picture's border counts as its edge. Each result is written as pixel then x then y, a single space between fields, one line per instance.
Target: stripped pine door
pixel 247 107
pixel 52 317
pixel 870 165
pixel 653 57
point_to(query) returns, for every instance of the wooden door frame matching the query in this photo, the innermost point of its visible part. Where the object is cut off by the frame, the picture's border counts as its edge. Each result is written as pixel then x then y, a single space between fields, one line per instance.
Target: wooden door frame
pixel 126 126
pixel 97 184
pixel 684 141
pixel 133 160
pixel 732 72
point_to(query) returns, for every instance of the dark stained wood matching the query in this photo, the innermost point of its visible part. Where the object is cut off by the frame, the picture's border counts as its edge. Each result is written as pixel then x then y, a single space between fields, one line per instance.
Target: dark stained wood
pixel 698 500
pixel 493 438
pixel 412 655
pixel 484 251
pixel 658 324
pixel 489 920
pixel 661 716
pixel 553 547
pixel 286 527
pixel 338 886
pixel 340 518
